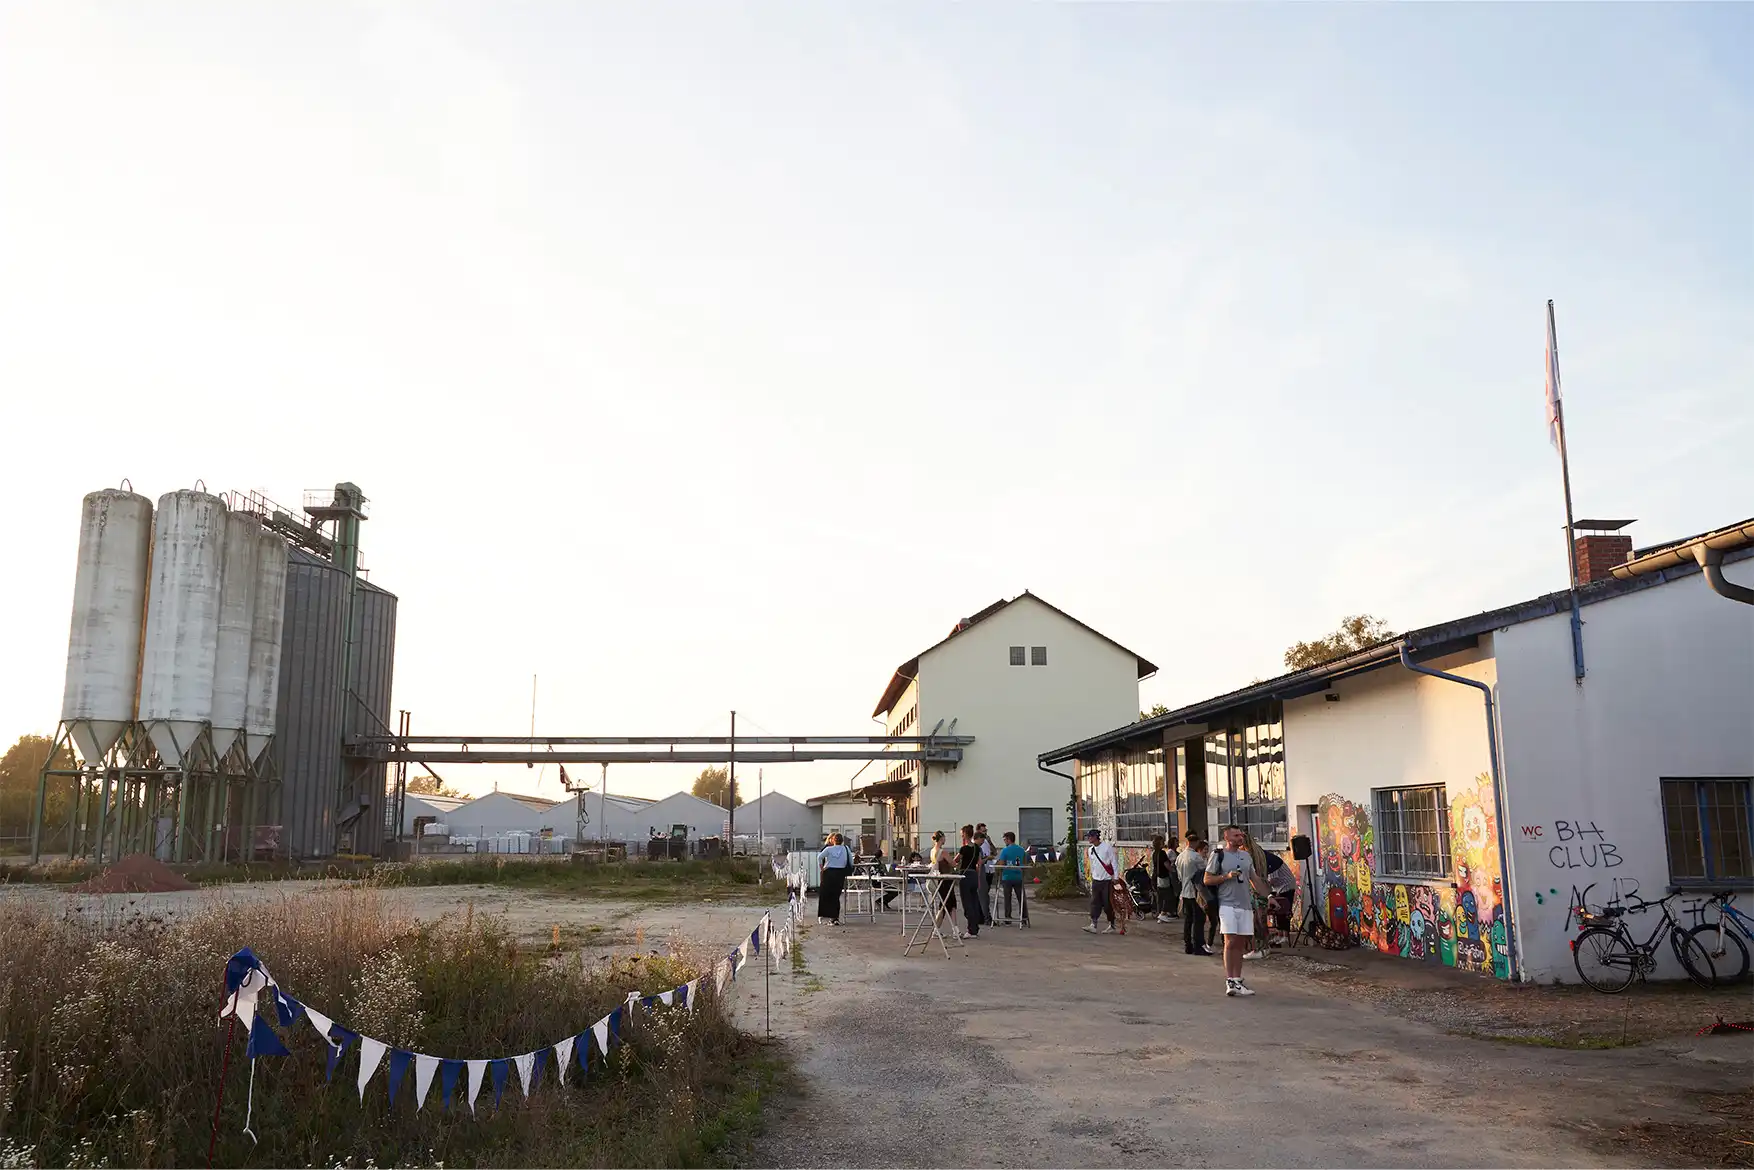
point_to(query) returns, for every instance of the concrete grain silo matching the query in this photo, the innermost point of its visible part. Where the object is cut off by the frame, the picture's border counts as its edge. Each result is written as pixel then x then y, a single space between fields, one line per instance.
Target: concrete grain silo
pixel 237 606
pixel 109 603
pixel 181 646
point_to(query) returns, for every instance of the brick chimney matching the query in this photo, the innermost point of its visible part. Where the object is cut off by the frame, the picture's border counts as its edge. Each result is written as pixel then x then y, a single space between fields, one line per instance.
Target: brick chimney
pixel 1600 546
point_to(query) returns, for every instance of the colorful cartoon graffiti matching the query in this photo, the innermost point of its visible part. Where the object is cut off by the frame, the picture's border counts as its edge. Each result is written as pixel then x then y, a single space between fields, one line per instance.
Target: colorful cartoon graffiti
pixel 1461 926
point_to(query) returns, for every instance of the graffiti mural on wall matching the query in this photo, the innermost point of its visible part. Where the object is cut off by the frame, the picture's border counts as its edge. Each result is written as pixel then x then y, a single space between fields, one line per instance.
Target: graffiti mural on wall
pixel 1461 926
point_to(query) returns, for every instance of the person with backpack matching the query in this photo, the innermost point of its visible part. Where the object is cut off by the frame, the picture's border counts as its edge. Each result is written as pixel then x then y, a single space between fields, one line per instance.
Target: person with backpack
pixel 1232 876
pixel 1101 864
pixel 1189 864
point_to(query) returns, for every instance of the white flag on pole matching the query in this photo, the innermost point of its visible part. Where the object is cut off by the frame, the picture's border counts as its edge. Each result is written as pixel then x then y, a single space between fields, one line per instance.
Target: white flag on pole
pixel 1552 380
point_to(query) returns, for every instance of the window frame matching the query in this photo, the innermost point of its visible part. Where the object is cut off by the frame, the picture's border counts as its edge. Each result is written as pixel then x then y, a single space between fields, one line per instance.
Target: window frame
pixel 1446 851
pixel 1703 828
pixel 1018 656
pixel 1038 656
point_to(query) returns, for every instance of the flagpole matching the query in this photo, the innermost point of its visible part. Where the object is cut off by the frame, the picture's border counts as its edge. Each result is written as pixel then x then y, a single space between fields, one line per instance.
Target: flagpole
pixel 1558 408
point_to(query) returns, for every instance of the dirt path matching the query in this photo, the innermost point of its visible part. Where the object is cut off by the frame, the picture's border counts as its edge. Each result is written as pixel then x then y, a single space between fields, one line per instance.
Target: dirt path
pixel 1054 1048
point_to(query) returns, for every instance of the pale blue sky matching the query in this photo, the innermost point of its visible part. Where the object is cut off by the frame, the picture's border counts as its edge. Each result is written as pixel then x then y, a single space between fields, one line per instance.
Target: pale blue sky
pixel 700 356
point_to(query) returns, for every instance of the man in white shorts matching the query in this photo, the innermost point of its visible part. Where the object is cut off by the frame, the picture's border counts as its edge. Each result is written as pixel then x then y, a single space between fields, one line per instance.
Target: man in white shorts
pixel 1231 873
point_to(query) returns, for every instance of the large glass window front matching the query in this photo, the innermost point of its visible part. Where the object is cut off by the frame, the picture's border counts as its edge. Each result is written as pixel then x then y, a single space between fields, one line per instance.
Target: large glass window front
pixel 1141 795
pixel 1245 777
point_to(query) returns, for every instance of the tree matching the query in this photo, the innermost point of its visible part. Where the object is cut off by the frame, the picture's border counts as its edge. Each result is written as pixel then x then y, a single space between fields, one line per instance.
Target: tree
pixel 430 785
pixel 1156 710
pixel 1355 633
pixel 19 769
pixel 711 784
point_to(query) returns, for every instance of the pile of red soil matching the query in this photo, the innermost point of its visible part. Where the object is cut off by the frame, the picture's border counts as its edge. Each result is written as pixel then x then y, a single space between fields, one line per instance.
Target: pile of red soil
pixel 136 874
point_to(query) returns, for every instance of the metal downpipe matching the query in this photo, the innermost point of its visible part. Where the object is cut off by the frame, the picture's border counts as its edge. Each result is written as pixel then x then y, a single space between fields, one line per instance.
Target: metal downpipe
pixel 1072 828
pixel 1498 796
pixel 1711 563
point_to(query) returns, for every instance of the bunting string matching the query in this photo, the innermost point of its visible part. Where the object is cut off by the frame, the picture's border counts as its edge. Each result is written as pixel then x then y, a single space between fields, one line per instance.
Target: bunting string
pixel 252 994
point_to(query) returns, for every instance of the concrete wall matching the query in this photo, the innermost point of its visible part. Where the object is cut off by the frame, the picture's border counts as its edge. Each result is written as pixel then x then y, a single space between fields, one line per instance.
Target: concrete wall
pixel 1015 713
pixel 1392 728
pixel 847 816
pixel 1669 692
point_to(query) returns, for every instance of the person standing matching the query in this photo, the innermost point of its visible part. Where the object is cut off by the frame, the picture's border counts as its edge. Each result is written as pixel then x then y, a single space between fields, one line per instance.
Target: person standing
pixel 1163 879
pixel 1188 865
pixel 837 863
pixel 988 851
pixel 1230 872
pixel 968 864
pixel 1012 859
pixel 1103 867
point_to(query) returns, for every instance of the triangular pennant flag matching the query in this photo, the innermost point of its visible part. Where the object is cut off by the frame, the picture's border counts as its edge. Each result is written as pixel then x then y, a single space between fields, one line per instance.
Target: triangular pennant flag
pixel 501 1069
pixel 477 1073
pixel 562 1058
pixel 541 1055
pixel 339 1038
pixel 649 1002
pixel 263 1041
pixel 287 1007
pixel 615 1018
pixel 370 1053
pixel 400 1059
pixel 668 998
pixel 524 1064
pixel 600 1029
pixel 238 968
pixel 582 1048
pixel 755 938
pixel 424 1067
pixel 321 1023
pixel 448 1070
pixel 722 975
pixel 741 955
pixel 690 993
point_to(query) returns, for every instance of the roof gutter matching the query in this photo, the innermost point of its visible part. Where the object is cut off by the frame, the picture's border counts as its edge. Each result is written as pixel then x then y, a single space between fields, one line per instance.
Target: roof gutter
pixel 1708 551
pixel 1498 794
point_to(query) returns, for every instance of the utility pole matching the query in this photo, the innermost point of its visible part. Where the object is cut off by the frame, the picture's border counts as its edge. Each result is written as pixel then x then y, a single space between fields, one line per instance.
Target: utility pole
pixel 731 794
pixel 603 813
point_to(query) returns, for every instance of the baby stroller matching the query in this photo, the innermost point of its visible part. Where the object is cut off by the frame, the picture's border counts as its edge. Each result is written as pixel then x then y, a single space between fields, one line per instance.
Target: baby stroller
pixel 1132 895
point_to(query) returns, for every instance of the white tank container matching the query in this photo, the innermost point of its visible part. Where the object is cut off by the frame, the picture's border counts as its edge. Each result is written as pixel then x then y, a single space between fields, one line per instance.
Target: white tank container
pixel 267 624
pixel 182 620
pixel 237 606
pixel 109 602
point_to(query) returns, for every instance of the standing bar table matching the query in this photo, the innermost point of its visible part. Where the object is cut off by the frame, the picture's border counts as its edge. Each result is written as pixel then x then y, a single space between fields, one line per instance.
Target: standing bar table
pixel 935 886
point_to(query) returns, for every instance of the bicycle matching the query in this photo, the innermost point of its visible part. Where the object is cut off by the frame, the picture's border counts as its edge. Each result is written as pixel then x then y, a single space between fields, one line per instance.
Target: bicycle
pixel 1726 939
pixel 1608 958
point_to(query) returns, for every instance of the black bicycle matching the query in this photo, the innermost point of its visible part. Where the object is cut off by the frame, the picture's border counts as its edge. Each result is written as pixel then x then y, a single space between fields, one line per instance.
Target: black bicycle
pixel 1726 937
pixel 1608 958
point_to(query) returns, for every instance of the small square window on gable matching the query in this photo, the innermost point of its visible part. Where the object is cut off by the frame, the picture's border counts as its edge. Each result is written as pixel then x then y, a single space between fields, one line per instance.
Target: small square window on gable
pixel 1016 656
pixel 1038 656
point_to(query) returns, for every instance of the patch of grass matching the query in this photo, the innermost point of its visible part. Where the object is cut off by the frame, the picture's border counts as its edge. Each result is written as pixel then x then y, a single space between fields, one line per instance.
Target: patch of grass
pixel 109 1054
pixel 1579 1043
pixel 736 880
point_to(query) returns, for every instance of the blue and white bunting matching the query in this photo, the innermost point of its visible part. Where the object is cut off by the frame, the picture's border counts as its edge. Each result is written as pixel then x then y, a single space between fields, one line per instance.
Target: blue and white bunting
pixel 562 1058
pixel 247 979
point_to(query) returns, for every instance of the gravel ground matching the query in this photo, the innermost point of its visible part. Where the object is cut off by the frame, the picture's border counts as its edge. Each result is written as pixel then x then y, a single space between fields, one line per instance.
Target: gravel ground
pixel 1053 1048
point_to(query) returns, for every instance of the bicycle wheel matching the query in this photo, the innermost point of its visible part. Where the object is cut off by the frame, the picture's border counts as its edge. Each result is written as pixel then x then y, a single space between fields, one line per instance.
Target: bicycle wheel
pixel 1728 953
pixel 1604 959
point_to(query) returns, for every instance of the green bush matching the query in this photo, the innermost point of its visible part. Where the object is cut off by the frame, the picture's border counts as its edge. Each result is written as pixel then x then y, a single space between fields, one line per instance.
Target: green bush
pixel 109 1053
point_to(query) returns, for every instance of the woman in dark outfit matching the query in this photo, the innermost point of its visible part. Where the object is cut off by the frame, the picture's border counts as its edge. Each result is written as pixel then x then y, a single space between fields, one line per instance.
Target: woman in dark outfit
pixel 837 863
pixel 968 864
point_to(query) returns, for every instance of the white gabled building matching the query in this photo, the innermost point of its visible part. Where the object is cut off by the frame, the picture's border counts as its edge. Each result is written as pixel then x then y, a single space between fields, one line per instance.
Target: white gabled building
pixel 1020 677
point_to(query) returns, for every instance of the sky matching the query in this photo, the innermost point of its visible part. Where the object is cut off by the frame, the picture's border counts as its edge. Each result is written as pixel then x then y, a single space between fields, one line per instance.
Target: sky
pixel 703 356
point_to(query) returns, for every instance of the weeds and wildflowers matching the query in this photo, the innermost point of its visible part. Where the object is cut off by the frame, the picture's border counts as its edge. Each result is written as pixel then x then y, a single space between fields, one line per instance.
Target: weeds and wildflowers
pixel 110 1053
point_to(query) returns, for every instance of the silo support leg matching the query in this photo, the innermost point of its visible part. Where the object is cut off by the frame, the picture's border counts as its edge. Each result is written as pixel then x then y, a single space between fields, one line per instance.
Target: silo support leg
pixel 36 820
pixel 103 818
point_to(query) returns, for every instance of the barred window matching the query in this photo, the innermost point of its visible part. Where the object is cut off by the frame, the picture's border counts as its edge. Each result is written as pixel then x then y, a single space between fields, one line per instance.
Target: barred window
pixel 1709 825
pixel 1038 656
pixel 1412 832
pixel 1016 656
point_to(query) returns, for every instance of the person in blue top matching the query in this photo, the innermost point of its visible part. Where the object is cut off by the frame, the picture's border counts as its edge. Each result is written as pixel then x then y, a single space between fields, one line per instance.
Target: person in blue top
pixel 1012 859
pixel 837 863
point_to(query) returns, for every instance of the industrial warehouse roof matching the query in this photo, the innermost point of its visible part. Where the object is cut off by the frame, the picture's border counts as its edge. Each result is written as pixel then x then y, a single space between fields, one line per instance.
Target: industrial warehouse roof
pixel 1430 642
pixel 909 670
